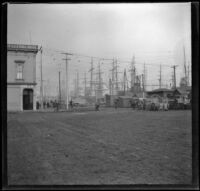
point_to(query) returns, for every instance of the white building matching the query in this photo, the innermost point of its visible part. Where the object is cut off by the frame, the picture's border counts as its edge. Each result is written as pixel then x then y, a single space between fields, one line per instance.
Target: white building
pixel 21 77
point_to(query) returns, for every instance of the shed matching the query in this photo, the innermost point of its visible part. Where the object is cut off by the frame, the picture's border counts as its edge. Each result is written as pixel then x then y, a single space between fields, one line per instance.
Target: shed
pixel 79 100
pixel 124 101
pixel 182 92
pixel 162 92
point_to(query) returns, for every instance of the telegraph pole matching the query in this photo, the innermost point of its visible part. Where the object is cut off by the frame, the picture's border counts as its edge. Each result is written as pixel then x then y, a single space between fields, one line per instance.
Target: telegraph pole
pixel 185 69
pixel 115 82
pixel 124 81
pixel 41 84
pixel 145 77
pixel 85 81
pixel 133 72
pixel 113 76
pixel 116 74
pixel 99 82
pixel 143 86
pixel 110 86
pixel 160 79
pixel 112 80
pixel 77 83
pixel 188 74
pixel 144 81
pixel 91 77
pixel 75 88
pixel 174 76
pixel 67 80
pixel 59 91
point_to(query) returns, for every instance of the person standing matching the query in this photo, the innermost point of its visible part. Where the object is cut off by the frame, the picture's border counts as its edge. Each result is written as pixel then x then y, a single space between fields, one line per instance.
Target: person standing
pixel 97 106
pixel 71 104
pixel 116 103
pixel 37 105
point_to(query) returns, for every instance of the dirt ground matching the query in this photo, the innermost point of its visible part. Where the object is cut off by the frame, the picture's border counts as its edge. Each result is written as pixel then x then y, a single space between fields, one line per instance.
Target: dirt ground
pixel 106 147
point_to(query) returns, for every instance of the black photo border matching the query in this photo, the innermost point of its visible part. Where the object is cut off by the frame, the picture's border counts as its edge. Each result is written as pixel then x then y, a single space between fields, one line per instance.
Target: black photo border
pixel 195 112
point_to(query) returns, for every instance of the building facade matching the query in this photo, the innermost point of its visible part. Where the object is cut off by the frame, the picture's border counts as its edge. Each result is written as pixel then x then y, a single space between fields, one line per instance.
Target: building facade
pixel 21 77
pixel 162 92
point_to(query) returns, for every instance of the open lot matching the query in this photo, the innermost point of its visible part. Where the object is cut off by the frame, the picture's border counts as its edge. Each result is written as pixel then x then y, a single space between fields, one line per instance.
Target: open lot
pixel 106 147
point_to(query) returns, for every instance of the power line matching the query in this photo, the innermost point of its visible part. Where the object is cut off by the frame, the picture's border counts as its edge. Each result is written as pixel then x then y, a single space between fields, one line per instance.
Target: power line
pixel 102 58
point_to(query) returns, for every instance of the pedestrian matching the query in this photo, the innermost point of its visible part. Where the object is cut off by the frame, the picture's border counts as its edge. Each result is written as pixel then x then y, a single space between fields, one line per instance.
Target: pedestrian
pixel 55 106
pixel 152 107
pixel 132 104
pixel 144 104
pixel 116 103
pixel 175 103
pixel 37 105
pixel 166 106
pixel 71 104
pixel 97 106
pixel 44 104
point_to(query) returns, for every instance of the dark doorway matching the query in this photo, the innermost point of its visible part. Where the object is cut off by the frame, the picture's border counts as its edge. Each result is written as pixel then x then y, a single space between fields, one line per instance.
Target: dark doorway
pixel 27 99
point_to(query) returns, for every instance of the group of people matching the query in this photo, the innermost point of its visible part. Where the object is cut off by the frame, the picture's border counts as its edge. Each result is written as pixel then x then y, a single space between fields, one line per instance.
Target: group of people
pixel 47 104
pixel 151 106
pixel 137 104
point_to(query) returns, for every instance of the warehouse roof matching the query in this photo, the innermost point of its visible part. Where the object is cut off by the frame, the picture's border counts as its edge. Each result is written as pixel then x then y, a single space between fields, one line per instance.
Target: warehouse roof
pixel 161 90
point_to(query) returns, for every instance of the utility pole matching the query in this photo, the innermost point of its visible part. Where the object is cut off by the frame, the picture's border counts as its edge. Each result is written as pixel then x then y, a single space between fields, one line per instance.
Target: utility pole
pixel 115 82
pixel 112 81
pixel 116 76
pixel 59 91
pixel 185 69
pixel 113 76
pixel 143 86
pixel 110 86
pixel 144 81
pixel 41 83
pixel 188 73
pixel 67 80
pixel 133 72
pixel 124 80
pixel 75 88
pixel 174 76
pixel 172 80
pixel 77 83
pixel 99 82
pixel 145 77
pixel 85 82
pixel 160 78
pixel 91 77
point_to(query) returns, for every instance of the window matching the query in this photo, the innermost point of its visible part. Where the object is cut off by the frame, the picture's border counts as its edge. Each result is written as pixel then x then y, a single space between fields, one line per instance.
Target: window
pixel 19 71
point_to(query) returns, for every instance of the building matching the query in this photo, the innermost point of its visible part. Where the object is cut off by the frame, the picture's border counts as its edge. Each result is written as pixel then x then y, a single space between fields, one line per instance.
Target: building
pixel 21 77
pixel 185 91
pixel 124 101
pixel 161 92
pixel 79 101
pixel 183 94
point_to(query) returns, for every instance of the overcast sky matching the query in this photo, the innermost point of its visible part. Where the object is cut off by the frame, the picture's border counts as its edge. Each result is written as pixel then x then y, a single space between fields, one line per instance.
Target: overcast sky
pixel 153 33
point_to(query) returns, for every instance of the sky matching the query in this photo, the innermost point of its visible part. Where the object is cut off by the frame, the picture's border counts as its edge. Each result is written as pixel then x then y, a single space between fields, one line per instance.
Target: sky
pixel 155 33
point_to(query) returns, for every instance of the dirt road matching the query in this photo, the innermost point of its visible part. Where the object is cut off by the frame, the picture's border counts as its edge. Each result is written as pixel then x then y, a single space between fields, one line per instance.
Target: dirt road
pixel 106 147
